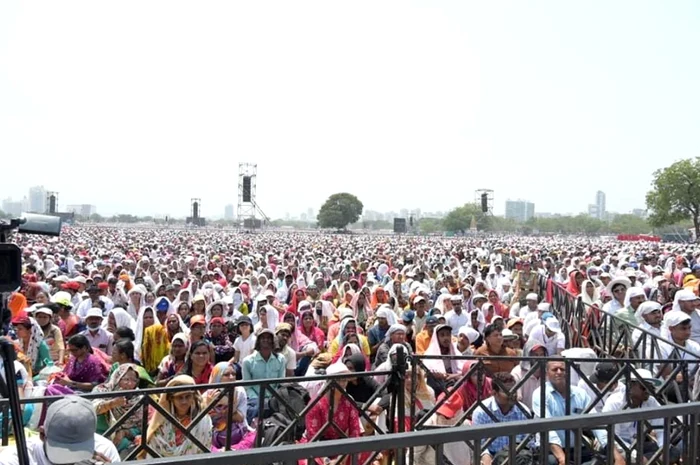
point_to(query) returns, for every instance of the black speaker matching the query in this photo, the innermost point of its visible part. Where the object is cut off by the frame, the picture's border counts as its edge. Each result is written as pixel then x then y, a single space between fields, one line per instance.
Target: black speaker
pixel 195 210
pixel 484 202
pixel 399 225
pixel 410 220
pixel 246 188
pixel 52 204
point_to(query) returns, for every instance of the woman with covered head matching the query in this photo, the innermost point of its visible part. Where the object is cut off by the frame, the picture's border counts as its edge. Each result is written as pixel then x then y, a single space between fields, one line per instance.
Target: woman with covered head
pixel 167 440
pixel 396 335
pixel 348 327
pixel 137 300
pixel 174 363
pixel 343 414
pixel 223 372
pixel 110 410
pixel 303 347
pixel 31 341
pixel 361 307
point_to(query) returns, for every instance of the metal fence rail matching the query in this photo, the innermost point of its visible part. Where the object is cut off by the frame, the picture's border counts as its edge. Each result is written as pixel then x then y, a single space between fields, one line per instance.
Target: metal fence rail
pixel 473 435
pixel 267 390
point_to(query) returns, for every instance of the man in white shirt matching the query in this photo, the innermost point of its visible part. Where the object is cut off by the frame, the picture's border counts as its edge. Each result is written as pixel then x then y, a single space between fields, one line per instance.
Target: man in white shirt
pixel 641 383
pixel 67 437
pixel 456 317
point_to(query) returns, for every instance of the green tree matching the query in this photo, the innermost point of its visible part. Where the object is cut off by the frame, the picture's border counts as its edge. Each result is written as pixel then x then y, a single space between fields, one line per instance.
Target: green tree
pixel 339 211
pixel 430 225
pixel 675 194
pixel 460 219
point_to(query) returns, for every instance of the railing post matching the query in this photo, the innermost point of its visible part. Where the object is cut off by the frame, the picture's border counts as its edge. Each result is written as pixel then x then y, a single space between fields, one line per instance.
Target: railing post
pixel 8 356
pixel 398 376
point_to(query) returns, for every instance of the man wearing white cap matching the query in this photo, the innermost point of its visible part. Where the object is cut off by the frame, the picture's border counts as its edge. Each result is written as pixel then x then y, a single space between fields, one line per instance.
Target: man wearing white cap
pixel 679 328
pixel 650 318
pixel 99 337
pixel 687 302
pixel 549 334
pixel 531 299
pixel 67 437
pixel 456 318
pixel 640 385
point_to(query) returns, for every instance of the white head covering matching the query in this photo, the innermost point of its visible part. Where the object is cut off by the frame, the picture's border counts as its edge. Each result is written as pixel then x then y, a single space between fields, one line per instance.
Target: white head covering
pixel 682 295
pixel 645 308
pixel 633 292
pixel 437 365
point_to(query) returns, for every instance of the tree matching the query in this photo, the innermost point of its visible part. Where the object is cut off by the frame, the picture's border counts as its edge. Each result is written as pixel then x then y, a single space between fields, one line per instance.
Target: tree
pixel 339 211
pixel 460 219
pixel 675 194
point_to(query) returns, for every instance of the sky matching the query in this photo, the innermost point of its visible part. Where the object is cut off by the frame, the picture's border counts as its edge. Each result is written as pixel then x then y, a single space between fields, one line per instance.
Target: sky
pixel 137 107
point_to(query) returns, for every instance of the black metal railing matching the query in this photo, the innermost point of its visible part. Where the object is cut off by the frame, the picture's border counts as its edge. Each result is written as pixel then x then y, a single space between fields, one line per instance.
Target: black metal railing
pixel 437 439
pixel 669 393
pixel 268 389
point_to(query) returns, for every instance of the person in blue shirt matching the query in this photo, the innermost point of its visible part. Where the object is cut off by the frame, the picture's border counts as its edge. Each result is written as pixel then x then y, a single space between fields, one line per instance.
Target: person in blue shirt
pixel 555 407
pixel 263 363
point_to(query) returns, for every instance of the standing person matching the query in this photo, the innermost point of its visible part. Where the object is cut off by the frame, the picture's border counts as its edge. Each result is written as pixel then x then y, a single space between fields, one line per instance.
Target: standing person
pixel 67 437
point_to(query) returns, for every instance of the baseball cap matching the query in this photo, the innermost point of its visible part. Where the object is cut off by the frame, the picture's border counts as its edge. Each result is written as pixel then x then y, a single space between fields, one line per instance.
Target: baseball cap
pixel 408 316
pixel 62 298
pixel 94 312
pixel 70 430
pixel 604 372
pixel 646 376
pixel 431 320
pixel 450 406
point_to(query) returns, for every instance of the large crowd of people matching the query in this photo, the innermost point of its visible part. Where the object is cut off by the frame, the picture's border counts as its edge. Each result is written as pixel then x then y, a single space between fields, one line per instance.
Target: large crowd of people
pixel 106 309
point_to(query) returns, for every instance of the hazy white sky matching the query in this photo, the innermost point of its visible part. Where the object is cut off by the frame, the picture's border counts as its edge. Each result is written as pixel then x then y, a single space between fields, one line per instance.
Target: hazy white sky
pixel 138 106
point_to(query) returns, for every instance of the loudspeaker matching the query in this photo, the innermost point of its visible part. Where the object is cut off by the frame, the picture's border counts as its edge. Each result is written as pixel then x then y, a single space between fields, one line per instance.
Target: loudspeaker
pixel 195 210
pixel 399 225
pixel 246 188
pixel 484 202
pixel 52 204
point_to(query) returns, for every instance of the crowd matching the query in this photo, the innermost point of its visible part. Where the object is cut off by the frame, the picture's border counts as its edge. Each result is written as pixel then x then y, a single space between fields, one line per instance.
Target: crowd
pixel 105 310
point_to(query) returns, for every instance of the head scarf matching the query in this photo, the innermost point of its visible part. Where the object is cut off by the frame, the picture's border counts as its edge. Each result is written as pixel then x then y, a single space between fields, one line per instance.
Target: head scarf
pixel 122 319
pixel 437 365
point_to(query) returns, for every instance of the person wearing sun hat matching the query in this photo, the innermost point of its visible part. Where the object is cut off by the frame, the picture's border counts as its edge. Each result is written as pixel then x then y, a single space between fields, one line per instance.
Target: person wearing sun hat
pixel 638 394
pixel 617 288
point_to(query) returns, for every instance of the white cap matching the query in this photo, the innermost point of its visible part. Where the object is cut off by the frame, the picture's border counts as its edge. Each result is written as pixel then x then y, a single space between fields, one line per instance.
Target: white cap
pixel 94 312
pixel 80 279
pixel 552 324
pixel 532 296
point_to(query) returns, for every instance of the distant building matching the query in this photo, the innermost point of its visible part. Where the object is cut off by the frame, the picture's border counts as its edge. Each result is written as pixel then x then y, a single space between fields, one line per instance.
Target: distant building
pixel 519 210
pixel 83 210
pixel 600 205
pixel 228 212
pixel 37 199
pixel 11 207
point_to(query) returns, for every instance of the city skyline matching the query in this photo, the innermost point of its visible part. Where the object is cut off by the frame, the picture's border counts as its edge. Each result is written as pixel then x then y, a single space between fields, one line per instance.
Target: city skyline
pixel 518 97
pixel 37 198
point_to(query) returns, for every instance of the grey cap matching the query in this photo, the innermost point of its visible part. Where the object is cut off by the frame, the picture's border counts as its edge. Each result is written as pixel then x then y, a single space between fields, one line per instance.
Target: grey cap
pixel 70 430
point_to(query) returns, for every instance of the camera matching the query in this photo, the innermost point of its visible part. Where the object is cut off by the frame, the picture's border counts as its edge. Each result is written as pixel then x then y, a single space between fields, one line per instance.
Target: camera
pixel 11 255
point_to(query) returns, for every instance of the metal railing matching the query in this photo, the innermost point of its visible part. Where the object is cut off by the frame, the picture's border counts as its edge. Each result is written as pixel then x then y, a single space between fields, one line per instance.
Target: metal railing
pixel 437 439
pixel 668 392
pixel 267 388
